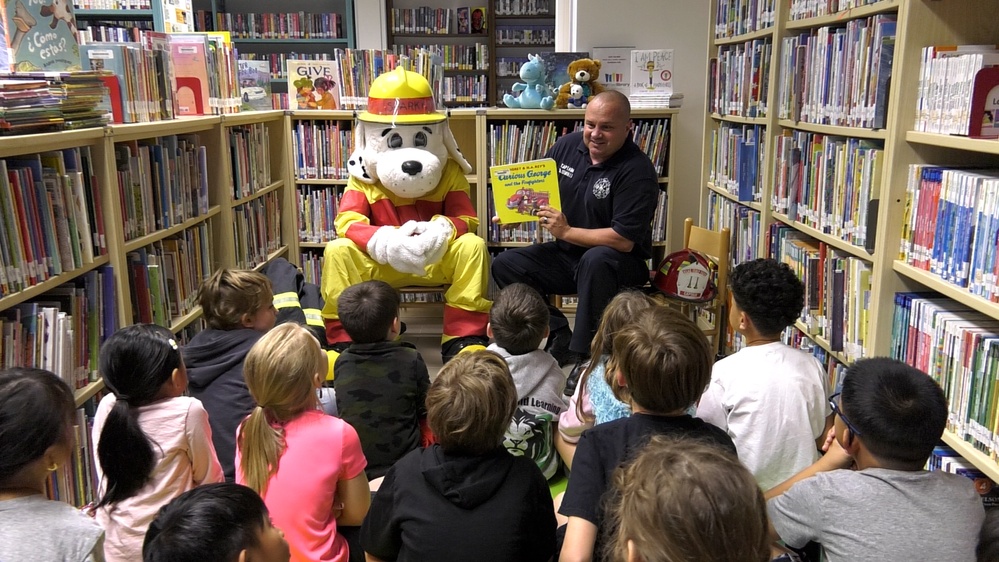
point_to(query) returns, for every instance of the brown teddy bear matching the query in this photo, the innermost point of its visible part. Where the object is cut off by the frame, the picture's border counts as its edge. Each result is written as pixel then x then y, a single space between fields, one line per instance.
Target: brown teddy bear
pixel 583 72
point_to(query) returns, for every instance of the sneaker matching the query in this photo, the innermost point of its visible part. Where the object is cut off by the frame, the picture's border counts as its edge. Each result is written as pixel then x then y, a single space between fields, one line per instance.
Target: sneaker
pixel 455 346
pixel 573 379
pixel 558 346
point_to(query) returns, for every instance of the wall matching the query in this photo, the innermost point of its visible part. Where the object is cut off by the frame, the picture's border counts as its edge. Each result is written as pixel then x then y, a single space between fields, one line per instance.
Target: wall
pixel 681 25
pixel 370 19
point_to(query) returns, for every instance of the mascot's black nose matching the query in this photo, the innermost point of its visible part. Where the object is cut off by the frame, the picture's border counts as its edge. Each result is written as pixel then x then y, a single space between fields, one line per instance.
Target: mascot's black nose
pixel 412 167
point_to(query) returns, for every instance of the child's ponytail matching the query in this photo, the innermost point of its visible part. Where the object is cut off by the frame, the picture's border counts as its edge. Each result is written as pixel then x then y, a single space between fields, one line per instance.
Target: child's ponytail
pixel 135 362
pixel 125 453
pixel 262 446
pixel 282 371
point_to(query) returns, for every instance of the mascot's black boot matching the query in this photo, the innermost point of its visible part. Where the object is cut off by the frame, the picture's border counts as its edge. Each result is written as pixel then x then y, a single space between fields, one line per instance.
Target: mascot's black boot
pixel 455 346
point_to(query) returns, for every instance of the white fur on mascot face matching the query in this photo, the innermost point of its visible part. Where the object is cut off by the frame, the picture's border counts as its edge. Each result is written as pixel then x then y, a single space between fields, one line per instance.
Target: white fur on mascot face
pixel 407 159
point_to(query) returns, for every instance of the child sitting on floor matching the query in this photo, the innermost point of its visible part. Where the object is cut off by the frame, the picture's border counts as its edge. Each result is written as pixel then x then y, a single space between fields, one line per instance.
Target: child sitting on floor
pixel 238 308
pixel 889 417
pixel 518 321
pixel 381 384
pixel 465 497
pixel 663 361
pixel 308 467
pixel 223 522
pixel 37 413
pixel 593 400
pixel 152 443
pixel 772 399
pixel 685 501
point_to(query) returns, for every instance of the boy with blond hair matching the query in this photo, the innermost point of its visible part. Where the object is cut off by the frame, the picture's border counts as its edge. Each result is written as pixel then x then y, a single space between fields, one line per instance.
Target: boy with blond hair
pixel 465 497
pixel 238 307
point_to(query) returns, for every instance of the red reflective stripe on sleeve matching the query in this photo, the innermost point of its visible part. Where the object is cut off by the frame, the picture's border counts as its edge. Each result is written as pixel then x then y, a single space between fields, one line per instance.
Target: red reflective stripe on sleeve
pixel 458 206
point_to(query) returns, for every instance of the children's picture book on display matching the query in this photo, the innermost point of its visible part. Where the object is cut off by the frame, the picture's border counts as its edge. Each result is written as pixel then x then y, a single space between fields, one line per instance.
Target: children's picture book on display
pixel 313 84
pixel 651 71
pixel 557 67
pixel 40 35
pixel 520 190
pixel 478 20
pixel 464 21
pixel 615 67
pixel 255 84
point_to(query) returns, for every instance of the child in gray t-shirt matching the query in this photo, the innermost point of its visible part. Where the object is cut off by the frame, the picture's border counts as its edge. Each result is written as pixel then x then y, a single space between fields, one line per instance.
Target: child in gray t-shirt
pixel 37 412
pixel 889 416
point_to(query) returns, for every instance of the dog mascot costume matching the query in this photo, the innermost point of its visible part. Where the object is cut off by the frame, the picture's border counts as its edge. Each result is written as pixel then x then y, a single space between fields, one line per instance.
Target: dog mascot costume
pixel 406 216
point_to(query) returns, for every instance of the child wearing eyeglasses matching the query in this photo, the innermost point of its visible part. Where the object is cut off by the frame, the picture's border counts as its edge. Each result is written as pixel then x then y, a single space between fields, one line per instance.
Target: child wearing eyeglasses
pixel 888 418
pixel 771 398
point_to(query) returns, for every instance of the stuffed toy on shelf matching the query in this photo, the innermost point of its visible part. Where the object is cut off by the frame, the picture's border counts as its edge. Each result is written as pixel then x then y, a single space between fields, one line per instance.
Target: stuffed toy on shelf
pixel 534 93
pixel 582 73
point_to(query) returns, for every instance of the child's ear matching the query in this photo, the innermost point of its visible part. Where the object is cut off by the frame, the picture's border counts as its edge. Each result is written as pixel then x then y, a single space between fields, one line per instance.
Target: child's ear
pixel 744 321
pixel 489 330
pixel 619 376
pixel 246 320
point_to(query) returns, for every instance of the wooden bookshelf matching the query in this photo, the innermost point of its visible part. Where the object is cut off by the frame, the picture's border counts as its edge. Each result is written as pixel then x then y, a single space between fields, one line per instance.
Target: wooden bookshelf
pixel 920 23
pixel 211 132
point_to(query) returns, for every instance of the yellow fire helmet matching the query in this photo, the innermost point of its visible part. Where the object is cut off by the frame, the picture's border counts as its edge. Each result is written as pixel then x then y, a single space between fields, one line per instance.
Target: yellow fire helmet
pixel 401 96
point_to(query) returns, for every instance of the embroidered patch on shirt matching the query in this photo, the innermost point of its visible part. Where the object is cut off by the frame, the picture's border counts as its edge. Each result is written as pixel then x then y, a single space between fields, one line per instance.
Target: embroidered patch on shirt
pixel 601 188
pixel 566 170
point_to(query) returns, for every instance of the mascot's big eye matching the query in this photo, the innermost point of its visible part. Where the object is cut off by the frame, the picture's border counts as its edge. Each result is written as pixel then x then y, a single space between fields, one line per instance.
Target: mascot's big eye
pixel 420 140
pixel 395 140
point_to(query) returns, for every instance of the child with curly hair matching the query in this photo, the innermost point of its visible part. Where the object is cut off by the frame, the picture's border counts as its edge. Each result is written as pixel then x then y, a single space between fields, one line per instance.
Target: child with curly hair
pixel 772 399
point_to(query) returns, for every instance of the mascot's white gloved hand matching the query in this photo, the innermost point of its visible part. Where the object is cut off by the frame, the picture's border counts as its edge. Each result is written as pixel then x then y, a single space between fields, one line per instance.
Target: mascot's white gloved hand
pixel 438 233
pixel 404 248
pixel 385 238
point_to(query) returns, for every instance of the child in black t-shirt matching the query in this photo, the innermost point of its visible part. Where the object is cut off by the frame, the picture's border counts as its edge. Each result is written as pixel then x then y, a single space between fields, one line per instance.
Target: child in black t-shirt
pixel 663 363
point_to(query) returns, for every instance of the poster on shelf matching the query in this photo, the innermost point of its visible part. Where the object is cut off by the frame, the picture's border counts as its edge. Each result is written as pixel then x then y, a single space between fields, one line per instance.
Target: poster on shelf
pixel 615 67
pixel 39 36
pixel 651 71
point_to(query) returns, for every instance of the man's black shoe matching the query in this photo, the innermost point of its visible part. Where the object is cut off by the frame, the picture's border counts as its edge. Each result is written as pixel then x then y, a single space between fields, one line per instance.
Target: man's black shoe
pixel 573 379
pixel 558 346
pixel 454 346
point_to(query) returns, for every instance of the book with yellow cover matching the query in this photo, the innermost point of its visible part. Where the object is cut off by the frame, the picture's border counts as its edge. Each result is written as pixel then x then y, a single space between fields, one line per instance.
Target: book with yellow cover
pixel 520 190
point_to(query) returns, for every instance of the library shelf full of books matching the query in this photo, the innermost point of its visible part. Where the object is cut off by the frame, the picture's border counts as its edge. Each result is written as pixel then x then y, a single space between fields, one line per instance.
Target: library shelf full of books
pixel 813 156
pixel 111 226
pixel 479 66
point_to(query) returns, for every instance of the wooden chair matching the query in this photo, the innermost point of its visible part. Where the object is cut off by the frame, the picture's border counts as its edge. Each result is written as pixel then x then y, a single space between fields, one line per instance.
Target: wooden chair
pixel 710 317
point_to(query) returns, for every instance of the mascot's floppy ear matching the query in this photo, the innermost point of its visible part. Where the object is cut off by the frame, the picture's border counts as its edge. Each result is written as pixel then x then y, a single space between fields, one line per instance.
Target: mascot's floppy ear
pixel 452 148
pixel 357 167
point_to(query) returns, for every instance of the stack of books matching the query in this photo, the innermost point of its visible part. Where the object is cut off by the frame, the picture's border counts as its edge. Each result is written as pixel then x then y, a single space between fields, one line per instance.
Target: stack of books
pixel 28 106
pixel 655 100
pixel 44 101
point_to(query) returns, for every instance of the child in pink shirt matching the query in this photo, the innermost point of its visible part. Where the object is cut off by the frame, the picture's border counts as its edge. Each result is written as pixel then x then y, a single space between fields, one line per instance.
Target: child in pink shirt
pixel 307 466
pixel 152 443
